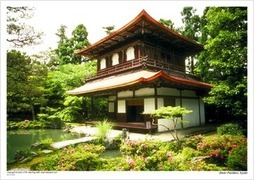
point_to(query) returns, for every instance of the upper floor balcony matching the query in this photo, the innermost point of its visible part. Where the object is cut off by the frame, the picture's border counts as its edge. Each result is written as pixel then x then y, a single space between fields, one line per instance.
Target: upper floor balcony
pixel 143 63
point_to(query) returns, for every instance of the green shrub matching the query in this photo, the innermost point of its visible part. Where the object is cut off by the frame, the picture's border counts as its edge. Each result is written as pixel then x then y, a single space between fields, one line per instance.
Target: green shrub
pixel 47 143
pixel 219 148
pixel 192 141
pixel 230 129
pixel 199 166
pixel 22 154
pixel 27 124
pixel 83 157
pixel 146 155
pixel 189 153
pixel 237 159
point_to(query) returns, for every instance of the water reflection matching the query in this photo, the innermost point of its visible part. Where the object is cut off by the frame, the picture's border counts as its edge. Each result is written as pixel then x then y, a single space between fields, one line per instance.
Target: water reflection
pixel 23 139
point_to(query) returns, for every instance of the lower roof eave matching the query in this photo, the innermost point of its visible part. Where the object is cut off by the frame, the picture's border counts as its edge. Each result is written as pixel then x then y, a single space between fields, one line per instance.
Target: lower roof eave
pixel 130 80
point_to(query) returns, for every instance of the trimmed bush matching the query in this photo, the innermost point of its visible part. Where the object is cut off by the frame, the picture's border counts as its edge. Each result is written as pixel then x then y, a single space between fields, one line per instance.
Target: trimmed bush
pixel 84 157
pixel 220 148
pixel 230 129
pixel 237 159
pixel 192 141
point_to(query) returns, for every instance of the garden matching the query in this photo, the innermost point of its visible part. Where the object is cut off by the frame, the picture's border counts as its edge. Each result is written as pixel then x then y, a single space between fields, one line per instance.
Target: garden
pixel 225 150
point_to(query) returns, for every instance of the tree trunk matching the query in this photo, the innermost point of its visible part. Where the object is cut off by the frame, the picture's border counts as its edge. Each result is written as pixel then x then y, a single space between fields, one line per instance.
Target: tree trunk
pixel 33 111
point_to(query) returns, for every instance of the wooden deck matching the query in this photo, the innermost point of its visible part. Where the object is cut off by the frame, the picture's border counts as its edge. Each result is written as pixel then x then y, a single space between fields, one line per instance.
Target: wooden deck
pixel 137 127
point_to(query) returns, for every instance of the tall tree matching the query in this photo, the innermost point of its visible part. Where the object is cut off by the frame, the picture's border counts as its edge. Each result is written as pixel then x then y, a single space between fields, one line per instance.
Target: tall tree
pixel 19 33
pixel 25 83
pixel 169 24
pixel 63 50
pixel 109 29
pixel 67 46
pixel 62 79
pixel 224 60
pixel 78 41
pixel 191 30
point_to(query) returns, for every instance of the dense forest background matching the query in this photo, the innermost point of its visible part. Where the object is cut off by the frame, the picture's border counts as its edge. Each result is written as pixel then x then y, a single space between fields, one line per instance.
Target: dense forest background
pixel 37 84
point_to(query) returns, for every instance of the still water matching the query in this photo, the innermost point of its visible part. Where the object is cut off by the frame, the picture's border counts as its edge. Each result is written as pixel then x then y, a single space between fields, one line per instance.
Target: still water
pixel 23 139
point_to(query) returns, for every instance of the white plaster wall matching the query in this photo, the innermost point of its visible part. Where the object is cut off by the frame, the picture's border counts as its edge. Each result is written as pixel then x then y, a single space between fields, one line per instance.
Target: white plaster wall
pixel 115 59
pixel 202 111
pixel 130 53
pixel 160 102
pixel 168 123
pixel 189 93
pixel 111 107
pixel 149 105
pixel 125 94
pixel 168 91
pixel 103 63
pixel 112 98
pixel 191 118
pixel 121 106
pixel 144 92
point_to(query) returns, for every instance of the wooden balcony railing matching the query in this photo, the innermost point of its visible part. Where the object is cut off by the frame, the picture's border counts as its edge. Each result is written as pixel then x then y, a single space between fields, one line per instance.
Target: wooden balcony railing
pixel 143 62
pixel 162 65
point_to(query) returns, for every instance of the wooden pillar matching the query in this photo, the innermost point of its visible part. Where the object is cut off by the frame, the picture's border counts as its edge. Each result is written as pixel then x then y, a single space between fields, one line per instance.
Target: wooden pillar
pixel 181 105
pixel 199 111
pixel 92 107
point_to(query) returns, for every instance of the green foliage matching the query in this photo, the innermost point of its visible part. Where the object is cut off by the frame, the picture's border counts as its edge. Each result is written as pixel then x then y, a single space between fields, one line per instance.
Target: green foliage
pixel 83 157
pixel 192 141
pixel 230 129
pixel 170 112
pixel 144 155
pixel 237 158
pixel 169 24
pixel 109 29
pixel 103 129
pixel 223 62
pixel 46 143
pixel 73 109
pixel 191 23
pixel 67 46
pixel 191 29
pixel 173 114
pixel 199 166
pixel 26 124
pixel 25 83
pixel 209 154
pixel 189 153
pixel 220 148
pixel 59 81
pixel 22 154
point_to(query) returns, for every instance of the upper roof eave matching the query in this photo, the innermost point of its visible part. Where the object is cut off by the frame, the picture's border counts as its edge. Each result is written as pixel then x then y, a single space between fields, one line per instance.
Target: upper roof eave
pixel 143 15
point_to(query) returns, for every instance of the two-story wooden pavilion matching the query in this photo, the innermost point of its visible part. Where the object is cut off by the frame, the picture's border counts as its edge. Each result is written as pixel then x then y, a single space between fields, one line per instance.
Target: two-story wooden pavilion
pixel 141 67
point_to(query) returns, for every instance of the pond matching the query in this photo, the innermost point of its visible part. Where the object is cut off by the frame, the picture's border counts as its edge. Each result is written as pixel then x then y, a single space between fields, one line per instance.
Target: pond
pixel 23 139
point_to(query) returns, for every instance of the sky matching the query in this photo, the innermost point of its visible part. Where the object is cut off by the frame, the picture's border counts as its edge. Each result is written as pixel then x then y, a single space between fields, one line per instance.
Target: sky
pixel 50 15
